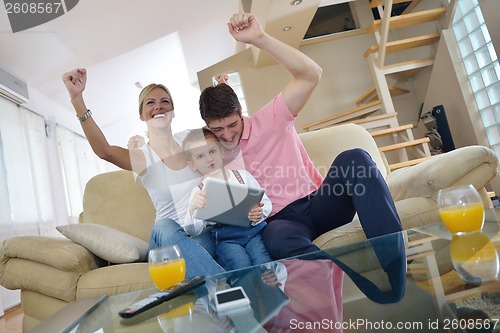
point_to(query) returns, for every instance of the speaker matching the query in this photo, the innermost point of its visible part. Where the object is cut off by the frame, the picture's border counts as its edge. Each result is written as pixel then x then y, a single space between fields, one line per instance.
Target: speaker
pixel 442 127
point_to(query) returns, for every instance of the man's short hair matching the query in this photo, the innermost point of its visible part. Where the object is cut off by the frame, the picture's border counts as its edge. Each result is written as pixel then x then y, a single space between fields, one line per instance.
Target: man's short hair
pixel 218 102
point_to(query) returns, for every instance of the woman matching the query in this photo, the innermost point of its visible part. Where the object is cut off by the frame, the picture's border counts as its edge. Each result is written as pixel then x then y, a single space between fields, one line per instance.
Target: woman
pixel 161 166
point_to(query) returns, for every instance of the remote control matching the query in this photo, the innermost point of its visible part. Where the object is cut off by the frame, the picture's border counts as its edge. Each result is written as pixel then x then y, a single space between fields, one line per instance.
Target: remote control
pixel 162 296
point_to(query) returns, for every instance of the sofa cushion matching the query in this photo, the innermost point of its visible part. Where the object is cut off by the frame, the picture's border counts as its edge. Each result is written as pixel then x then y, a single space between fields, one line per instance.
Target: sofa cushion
pixel 324 145
pixel 107 243
pixel 118 200
pixel 52 251
pixel 349 233
pixel 114 280
pixel 30 275
pixel 417 212
pixel 38 306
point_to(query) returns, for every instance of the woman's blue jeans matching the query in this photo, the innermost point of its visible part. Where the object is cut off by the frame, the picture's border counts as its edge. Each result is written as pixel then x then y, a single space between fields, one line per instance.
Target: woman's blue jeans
pixel 197 251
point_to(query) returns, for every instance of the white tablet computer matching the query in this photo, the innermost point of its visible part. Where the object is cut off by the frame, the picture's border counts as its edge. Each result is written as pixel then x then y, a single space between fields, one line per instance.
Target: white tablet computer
pixel 229 203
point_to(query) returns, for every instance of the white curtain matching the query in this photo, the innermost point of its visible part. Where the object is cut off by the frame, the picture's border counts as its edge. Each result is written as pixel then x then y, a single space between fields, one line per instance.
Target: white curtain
pixel 26 195
pixel 42 185
pixel 79 164
pixel 27 191
pixel 5 212
pixel 71 172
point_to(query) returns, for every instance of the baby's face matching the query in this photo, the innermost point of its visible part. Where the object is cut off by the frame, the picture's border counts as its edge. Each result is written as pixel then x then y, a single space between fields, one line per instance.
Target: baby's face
pixel 206 158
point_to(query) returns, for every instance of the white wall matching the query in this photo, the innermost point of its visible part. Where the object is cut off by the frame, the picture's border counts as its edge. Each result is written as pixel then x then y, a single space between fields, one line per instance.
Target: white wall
pixel 491 12
pixel 449 87
pixel 8 299
pixel 346 77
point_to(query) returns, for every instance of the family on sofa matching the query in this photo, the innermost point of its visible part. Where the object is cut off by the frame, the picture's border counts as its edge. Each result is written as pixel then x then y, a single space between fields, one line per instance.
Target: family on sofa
pixel 105 253
pixel 304 206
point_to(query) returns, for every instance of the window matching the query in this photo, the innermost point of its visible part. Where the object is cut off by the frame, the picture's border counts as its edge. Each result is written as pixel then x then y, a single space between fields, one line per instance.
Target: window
pixel 330 20
pixel 25 187
pixel 481 64
pixel 16 160
pixel 27 190
pixel 38 155
pixel 5 213
pixel 78 164
pixel 234 82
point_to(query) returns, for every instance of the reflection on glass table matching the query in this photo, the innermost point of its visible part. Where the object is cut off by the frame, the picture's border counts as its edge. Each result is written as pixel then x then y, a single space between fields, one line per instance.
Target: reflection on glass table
pixel 389 283
pixel 462 272
pixel 304 293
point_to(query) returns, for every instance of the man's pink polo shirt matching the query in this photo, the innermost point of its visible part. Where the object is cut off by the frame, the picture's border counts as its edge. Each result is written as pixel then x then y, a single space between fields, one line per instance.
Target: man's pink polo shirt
pixel 274 155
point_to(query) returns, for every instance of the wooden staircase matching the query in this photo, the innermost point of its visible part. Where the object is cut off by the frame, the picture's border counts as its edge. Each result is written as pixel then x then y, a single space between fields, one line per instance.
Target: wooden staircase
pixel 375 109
pixel 378 121
pixel 403 134
pixel 371 94
pixel 359 112
pixel 410 19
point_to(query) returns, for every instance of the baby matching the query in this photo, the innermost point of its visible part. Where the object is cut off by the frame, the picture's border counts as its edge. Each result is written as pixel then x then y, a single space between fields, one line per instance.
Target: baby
pixel 235 247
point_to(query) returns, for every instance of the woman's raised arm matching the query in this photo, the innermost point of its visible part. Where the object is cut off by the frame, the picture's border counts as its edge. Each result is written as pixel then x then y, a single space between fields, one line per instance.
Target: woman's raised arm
pixel 75 82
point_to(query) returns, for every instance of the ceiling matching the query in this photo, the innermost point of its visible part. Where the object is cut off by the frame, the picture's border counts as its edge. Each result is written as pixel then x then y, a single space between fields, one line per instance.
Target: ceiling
pixel 122 42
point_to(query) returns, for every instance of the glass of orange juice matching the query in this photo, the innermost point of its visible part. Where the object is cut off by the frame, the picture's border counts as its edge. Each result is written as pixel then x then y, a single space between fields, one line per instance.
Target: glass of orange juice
pixel 461 209
pixel 166 266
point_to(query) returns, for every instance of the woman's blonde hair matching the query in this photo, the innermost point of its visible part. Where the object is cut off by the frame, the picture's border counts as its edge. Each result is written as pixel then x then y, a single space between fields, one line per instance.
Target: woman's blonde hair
pixel 150 87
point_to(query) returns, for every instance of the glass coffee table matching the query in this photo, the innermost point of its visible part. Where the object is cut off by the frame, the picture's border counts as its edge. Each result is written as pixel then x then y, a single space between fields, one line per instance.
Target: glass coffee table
pixel 415 281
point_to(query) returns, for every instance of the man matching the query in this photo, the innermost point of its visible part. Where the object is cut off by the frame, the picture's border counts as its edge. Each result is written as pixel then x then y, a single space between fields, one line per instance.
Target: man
pixel 304 205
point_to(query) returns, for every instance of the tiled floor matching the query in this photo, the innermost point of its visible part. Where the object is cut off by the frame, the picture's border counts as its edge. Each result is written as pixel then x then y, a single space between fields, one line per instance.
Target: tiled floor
pixel 12 322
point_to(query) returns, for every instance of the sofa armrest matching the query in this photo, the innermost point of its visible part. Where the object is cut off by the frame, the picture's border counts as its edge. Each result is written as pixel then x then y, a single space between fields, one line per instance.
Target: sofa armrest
pixel 51 266
pixel 476 165
pixel 60 253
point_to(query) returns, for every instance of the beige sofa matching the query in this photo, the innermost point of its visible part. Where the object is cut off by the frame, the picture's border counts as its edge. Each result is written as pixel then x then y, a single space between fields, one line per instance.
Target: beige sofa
pixel 54 271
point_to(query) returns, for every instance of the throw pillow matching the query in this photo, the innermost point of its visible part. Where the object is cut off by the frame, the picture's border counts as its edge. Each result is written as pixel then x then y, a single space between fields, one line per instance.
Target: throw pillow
pixel 105 242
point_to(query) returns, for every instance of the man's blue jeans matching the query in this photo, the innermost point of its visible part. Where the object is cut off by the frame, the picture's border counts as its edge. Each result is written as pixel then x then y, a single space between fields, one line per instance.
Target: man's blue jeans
pixel 353 185
pixel 197 251
pixel 238 247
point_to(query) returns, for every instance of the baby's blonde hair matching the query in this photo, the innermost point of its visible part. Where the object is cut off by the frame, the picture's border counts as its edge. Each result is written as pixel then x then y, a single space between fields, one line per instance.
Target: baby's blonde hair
pixel 196 138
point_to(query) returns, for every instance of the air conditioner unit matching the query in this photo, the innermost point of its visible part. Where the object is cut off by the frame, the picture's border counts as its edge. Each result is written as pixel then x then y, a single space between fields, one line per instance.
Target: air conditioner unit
pixel 13 87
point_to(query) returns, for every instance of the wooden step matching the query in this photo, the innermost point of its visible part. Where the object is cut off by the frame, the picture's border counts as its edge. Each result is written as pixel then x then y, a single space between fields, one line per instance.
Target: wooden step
pixel 412 5
pixel 404 70
pixel 406 20
pixel 356 113
pixel 375 3
pixel 368 119
pixel 409 163
pixel 371 94
pixel 369 123
pixel 405 44
pixel 393 130
pixel 408 65
pixel 367 96
pixel 403 145
pixel 405 75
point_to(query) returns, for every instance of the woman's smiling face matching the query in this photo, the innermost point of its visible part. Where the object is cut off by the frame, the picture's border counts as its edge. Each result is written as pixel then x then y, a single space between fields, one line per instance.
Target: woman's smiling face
pixel 156 105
